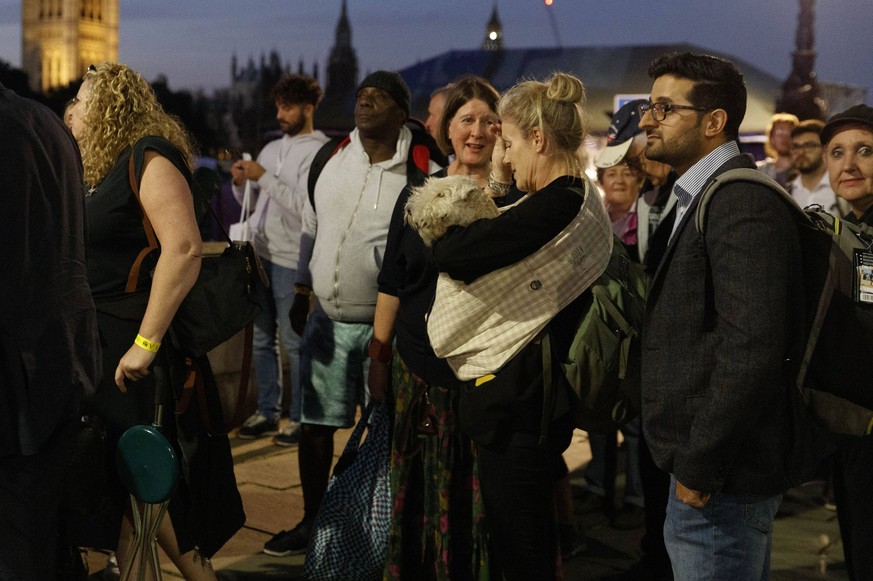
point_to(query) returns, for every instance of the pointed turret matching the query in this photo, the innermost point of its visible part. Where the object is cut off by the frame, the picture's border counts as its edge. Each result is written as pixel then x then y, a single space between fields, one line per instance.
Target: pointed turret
pixel 342 67
pixel 493 32
pixel 800 93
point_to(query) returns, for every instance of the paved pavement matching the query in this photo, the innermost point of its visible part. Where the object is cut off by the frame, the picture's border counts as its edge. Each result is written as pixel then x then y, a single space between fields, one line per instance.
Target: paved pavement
pixel 805 542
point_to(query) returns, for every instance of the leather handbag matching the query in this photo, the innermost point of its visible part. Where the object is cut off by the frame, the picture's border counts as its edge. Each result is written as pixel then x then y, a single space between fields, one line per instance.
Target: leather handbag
pixel 219 305
pixel 221 302
pixel 349 539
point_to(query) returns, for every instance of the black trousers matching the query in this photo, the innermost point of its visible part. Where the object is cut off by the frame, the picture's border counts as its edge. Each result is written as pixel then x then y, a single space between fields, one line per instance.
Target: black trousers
pixel 517 477
pixel 853 483
pixel 656 488
pixel 31 488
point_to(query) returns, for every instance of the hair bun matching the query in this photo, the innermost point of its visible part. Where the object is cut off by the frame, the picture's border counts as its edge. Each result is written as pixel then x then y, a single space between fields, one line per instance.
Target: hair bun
pixel 565 88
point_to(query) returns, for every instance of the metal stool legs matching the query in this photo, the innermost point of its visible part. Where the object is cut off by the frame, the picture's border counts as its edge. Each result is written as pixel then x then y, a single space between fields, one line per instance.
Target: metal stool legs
pixel 143 546
pixel 149 469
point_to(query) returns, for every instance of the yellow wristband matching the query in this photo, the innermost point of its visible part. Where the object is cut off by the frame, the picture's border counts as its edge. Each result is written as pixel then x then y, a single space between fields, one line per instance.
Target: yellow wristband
pixel 152 346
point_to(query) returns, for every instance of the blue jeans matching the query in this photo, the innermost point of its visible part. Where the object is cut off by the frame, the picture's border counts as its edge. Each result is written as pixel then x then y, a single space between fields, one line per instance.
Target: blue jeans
pixel 275 304
pixel 728 539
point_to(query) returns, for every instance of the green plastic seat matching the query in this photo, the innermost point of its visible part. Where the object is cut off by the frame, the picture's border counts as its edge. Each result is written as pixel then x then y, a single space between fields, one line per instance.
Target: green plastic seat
pixel 147 464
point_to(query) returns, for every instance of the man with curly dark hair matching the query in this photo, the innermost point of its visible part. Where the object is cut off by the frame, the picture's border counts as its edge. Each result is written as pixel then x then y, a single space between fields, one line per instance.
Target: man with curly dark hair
pixel 278 181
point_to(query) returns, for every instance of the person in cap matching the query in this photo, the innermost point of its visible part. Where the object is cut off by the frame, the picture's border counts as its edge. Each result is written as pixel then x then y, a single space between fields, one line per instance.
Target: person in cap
pixel 621 178
pixel 624 139
pixel 345 227
pixel 625 144
pixel 645 186
pixel 848 152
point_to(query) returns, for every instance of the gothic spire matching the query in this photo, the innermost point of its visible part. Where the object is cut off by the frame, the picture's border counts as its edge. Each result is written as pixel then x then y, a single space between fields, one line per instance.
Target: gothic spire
pixel 800 94
pixel 493 32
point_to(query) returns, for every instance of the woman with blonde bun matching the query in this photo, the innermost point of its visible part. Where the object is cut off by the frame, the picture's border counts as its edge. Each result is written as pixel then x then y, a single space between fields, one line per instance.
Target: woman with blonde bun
pixel 520 424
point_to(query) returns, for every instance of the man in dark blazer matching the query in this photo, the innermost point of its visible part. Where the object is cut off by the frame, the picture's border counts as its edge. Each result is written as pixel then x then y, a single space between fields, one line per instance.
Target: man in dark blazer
pixel 49 350
pixel 724 310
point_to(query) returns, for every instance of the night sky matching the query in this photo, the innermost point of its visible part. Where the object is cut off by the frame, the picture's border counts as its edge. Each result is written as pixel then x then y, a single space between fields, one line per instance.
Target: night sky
pixel 192 42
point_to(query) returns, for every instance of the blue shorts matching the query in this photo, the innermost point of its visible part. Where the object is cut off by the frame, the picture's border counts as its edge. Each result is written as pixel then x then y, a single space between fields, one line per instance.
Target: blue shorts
pixel 333 370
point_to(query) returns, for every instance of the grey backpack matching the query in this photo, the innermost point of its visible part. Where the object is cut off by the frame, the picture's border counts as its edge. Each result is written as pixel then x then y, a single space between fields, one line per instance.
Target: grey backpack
pixel 834 370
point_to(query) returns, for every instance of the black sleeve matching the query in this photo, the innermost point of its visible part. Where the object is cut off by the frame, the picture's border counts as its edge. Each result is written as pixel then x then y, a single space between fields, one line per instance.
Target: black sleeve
pixel 165 149
pixel 393 272
pixel 487 245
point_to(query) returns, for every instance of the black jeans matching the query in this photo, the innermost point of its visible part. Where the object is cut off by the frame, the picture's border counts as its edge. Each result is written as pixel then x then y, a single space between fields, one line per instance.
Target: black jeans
pixel 517 476
pixel 853 481
pixel 30 498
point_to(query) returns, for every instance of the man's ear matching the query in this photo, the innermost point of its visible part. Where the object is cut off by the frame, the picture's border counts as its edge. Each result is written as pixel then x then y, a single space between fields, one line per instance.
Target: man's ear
pixel 716 123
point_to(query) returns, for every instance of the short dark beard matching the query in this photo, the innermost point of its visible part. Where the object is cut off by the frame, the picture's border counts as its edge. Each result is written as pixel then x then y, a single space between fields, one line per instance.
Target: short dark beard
pixel 294 129
pixel 812 168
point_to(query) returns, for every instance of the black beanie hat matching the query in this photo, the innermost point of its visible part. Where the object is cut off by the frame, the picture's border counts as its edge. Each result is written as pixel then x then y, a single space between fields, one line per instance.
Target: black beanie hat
pixel 391 83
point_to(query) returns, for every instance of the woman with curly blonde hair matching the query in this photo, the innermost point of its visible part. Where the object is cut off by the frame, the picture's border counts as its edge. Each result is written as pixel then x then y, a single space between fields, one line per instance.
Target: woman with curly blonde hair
pixel 125 135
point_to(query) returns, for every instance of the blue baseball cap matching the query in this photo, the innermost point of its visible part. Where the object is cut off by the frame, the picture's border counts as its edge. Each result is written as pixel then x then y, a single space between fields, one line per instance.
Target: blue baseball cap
pixel 624 126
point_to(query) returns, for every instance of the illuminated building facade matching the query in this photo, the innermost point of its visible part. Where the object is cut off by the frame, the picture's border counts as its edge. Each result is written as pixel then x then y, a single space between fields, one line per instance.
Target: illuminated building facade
pixel 60 38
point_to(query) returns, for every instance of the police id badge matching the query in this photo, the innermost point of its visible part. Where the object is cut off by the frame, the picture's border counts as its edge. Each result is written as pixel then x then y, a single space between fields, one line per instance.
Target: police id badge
pixel 863 286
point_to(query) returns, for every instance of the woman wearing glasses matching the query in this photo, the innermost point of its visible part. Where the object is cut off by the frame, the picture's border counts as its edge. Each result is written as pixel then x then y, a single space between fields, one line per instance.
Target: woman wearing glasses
pixel 116 118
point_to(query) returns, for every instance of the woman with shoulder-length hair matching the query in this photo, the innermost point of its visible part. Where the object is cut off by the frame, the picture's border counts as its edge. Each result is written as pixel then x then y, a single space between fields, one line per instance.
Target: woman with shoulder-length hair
pixel 116 118
pixel 438 524
pixel 554 242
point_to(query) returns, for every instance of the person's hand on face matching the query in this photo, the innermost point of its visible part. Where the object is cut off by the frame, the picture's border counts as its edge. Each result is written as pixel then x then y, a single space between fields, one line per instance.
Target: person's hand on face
pixel 502 172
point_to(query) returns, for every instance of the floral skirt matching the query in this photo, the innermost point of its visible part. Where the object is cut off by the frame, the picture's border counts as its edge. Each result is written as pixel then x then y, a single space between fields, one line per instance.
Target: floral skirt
pixel 438 528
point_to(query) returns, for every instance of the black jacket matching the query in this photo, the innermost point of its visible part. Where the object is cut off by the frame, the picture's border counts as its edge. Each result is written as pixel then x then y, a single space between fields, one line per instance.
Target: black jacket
pixel 49 350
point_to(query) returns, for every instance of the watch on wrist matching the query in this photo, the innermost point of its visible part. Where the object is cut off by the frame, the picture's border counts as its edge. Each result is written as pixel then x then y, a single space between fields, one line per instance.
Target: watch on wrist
pixel 379 351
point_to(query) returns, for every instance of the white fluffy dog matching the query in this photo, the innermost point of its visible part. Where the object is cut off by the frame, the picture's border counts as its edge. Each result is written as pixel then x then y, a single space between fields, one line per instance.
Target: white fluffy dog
pixel 443 202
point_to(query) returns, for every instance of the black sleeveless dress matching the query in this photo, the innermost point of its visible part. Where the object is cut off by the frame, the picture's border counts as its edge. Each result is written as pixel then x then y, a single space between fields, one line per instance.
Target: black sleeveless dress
pixel 206 508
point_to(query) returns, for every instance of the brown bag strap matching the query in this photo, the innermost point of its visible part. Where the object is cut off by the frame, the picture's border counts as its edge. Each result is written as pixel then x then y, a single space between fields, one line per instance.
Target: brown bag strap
pixel 194 382
pixel 133 276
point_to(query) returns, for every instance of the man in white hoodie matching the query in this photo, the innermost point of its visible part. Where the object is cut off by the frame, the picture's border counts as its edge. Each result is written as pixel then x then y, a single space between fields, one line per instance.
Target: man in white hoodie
pixel 279 183
pixel 345 228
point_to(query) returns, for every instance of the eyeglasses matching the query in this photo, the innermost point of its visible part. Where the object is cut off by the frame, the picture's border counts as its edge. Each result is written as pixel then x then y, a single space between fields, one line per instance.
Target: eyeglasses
pixel 659 110
pixel 808 146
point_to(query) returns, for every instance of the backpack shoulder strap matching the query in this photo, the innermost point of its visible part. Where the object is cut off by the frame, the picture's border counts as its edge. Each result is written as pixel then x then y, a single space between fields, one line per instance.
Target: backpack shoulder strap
pixel 742 174
pixel 422 149
pixel 327 151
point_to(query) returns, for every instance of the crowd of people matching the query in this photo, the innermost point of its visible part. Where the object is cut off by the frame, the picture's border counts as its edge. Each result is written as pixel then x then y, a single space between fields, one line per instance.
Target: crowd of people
pixel 477 462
